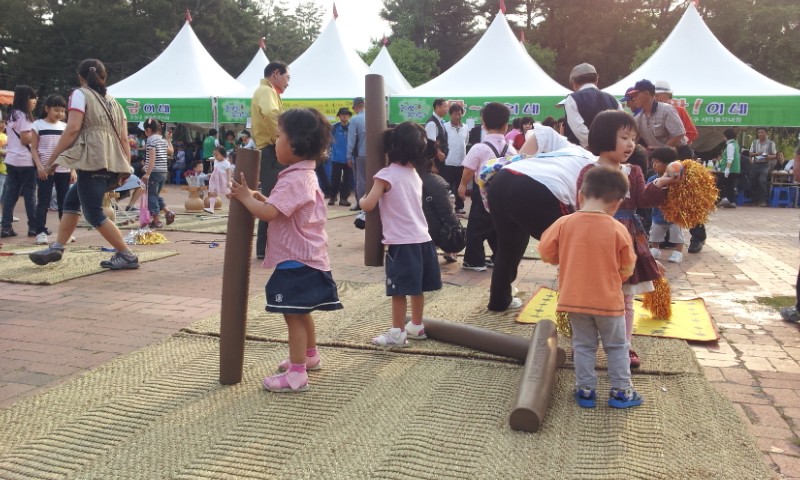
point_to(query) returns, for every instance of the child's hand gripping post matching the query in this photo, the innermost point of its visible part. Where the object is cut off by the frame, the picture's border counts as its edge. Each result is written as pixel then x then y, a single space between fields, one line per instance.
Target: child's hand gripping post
pixel 252 200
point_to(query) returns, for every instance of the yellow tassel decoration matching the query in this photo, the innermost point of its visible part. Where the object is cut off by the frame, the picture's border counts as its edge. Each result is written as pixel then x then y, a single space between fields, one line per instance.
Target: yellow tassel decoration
pixel 150 238
pixel 562 324
pixel 659 302
pixel 689 203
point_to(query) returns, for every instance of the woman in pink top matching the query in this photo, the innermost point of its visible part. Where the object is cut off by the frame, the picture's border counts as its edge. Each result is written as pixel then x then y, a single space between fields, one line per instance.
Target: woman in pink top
pixel 297 247
pixel 412 266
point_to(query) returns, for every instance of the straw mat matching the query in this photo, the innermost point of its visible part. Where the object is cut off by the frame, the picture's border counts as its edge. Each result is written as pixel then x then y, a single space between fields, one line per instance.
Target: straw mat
pixel 690 318
pixel 77 262
pixel 201 223
pixel 367 313
pixel 161 413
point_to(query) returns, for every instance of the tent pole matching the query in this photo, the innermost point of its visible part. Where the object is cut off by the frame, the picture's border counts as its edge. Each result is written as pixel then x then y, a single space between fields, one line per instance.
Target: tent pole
pixel 215 113
pixel 376 160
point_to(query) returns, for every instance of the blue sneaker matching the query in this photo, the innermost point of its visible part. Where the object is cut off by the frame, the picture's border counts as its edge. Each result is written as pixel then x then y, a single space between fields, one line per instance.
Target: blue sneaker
pixel 585 397
pixel 624 398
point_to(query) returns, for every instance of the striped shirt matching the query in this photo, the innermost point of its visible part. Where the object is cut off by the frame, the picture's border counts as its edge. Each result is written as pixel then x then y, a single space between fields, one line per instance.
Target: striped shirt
pixel 49 134
pixel 298 232
pixel 158 143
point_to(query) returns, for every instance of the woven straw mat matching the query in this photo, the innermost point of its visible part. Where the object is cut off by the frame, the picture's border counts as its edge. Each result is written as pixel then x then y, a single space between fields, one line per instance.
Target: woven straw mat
pixel 161 413
pixel 367 313
pixel 212 224
pixel 77 262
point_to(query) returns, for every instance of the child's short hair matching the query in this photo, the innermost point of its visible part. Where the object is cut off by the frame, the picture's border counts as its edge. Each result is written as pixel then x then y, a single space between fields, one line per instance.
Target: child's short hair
pixel 405 143
pixel 221 151
pixel 152 124
pixel 232 157
pixel 527 119
pixel 195 163
pixel 54 101
pixel 455 107
pixel 728 133
pixel 664 154
pixel 603 132
pixel 604 183
pixel 308 130
pixel 495 115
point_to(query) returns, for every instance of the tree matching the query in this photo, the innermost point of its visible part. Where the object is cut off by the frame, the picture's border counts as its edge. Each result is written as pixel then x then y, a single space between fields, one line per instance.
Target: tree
pixel 642 54
pixel 418 65
pixel 545 57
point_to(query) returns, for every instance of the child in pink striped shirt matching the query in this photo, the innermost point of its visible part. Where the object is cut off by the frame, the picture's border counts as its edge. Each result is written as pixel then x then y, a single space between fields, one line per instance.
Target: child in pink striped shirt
pixel 297 244
pixel 412 266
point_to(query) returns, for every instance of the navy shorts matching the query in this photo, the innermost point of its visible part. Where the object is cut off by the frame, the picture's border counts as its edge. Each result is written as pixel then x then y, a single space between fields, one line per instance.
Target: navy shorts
pixel 301 290
pixel 412 269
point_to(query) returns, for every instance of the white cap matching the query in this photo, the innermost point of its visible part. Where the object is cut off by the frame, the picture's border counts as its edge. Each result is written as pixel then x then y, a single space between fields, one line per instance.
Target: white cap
pixel 662 86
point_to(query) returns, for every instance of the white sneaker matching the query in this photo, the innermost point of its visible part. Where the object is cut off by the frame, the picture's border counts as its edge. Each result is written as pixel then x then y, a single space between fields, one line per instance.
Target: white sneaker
pixel 14 219
pixel 676 257
pixel 71 239
pixel 656 253
pixel 515 303
pixel 393 338
pixel 514 291
pixel 41 239
pixel 209 210
pixel 467 266
pixel 724 202
pixel 415 332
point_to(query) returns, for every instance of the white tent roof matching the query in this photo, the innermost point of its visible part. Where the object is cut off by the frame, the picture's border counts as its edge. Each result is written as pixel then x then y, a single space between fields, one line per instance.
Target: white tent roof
pixel 483 72
pixel 183 70
pixel 392 78
pixel 694 62
pixel 254 72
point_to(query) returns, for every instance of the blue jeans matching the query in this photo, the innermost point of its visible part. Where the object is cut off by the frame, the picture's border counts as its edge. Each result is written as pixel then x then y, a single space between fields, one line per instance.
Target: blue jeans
pixel 2 183
pixel 44 195
pixel 154 185
pixel 20 181
pixel 87 194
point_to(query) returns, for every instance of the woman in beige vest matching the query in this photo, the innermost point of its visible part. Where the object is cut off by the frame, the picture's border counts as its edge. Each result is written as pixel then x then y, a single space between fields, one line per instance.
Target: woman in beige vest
pixel 95 145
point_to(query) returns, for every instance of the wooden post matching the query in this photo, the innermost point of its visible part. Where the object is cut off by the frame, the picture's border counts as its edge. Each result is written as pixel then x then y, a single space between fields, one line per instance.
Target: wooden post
pixel 376 160
pixel 488 341
pixel 538 378
pixel 236 274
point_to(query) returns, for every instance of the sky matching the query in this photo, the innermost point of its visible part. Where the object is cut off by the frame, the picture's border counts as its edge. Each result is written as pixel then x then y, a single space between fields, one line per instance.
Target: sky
pixel 359 20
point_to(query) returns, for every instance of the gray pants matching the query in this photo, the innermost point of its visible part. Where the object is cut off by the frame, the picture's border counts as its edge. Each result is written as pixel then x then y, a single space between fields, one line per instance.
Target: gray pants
pixel 585 328
pixel 759 187
pixel 268 176
pixel 361 177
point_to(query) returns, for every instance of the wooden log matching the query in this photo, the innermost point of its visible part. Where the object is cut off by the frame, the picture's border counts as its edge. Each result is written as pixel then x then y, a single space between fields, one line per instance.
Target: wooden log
pixel 538 378
pixel 376 160
pixel 236 274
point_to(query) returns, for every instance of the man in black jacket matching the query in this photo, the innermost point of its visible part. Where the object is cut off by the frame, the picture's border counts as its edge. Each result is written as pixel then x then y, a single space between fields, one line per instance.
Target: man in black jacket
pixel 584 104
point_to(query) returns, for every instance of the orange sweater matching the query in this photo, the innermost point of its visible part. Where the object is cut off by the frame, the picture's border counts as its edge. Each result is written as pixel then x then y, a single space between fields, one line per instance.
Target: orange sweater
pixel 595 255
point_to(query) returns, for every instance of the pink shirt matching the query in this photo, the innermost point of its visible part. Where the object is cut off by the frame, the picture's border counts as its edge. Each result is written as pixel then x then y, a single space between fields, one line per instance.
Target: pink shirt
pixel 18 154
pixel 480 153
pixel 298 232
pixel 401 206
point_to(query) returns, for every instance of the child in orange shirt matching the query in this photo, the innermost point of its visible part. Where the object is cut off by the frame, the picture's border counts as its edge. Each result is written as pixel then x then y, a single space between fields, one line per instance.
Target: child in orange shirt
pixel 595 255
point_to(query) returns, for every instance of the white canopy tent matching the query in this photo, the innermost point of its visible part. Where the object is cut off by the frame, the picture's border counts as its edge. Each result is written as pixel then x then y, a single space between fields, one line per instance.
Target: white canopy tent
pixel 519 81
pixel 716 87
pixel 327 76
pixel 254 72
pixel 392 78
pixel 178 86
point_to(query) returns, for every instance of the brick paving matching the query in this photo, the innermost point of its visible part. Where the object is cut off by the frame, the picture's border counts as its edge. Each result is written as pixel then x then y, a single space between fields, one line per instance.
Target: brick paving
pixel 49 334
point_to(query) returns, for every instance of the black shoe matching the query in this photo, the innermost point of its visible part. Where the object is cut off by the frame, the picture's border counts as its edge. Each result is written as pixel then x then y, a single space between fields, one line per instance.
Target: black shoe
pixel 332 201
pixel 666 245
pixel 696 245
pixel 9 233
pixel 344 203
pixel 31 233
pixel 49 254
pixel 355 209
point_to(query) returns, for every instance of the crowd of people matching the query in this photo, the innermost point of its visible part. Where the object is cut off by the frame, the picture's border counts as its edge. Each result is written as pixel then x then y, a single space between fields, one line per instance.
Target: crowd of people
pixel 585 175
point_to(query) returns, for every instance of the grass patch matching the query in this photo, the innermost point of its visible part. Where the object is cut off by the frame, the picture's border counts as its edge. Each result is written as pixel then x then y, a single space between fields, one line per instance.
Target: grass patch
pixel 776 302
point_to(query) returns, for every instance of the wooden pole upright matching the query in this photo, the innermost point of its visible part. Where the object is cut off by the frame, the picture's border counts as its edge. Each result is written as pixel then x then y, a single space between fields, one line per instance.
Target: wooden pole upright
pixel 376 160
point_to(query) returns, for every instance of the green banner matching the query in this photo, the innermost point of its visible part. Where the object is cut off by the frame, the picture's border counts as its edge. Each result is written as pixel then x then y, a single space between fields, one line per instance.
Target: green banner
pixel 773 111
pixel 237 110
pixel 189 110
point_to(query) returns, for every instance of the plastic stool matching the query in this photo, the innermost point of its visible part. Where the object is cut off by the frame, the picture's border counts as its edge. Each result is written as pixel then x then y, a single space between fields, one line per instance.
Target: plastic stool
pixel 781 196
pixel 741 199
pixel 179 177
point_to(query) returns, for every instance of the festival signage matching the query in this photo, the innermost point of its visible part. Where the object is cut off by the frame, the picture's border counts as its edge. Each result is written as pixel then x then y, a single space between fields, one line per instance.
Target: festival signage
pixel 237 110
pixel 403 109
pixel 191 110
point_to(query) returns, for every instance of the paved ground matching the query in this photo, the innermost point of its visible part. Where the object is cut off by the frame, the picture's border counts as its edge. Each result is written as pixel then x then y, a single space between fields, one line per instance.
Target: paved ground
pixel 50 334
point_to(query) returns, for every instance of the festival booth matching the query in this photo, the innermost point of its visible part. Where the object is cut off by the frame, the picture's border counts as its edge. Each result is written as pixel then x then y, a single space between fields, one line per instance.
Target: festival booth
pixel 394 81
pixel 524 86
pixel 178 86
pixel 327 76
pixel 715 87
pixel 255 70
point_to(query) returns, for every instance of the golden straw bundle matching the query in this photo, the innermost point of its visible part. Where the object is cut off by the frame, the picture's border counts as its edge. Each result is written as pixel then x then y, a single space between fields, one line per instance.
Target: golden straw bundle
pixel 659 302
pixel 689 203
pixel 150 238
pixel 562 324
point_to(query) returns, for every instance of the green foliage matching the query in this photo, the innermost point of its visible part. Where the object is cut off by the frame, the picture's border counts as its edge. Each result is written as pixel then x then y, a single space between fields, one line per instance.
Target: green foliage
pixel 642 54
pixel 545 57
pixel 418 65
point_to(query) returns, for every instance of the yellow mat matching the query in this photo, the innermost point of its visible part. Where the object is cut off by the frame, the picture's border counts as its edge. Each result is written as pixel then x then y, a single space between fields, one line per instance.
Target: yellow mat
pixel 690 318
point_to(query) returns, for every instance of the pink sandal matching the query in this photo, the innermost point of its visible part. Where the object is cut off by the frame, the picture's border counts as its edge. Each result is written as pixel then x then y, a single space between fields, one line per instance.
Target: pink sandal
pixel 312 363
pixel 287 382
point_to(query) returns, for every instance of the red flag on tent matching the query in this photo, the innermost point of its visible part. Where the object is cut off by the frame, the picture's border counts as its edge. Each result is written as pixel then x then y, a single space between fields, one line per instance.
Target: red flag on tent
pixel 696 3
pixel 521 37
pixel 385 41
pixel 335 13
pixel 502 6
pixel 261 44
pixel 188 16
